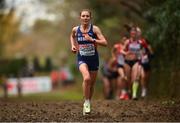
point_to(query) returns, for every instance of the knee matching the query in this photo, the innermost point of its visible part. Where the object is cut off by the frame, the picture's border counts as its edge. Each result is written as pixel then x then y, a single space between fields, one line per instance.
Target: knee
pixel 87 80
pixel 143 76
pixel 124 78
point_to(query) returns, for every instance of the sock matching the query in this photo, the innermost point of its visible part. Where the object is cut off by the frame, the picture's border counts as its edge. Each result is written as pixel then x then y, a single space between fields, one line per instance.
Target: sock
pixel 143 92
pixel 123 91
pixel 135 88
pixel 87 101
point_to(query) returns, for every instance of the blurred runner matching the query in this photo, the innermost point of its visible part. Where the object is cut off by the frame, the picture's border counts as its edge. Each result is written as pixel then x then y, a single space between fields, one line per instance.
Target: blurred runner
pixel 109 77
pixel 122 79
pixel 84 40
pixel 147 54
pixel 132 59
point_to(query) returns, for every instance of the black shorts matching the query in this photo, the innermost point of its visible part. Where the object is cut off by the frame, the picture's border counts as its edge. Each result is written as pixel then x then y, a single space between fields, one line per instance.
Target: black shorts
pixel 131 62
pixel 120 66
pixel 108 73
pixel 146 66
pixel 113 75
pixel 91 61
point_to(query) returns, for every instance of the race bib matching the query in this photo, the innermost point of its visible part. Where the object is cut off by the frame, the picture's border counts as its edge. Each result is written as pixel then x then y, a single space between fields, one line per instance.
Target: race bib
pixel 120 59
pixel 145 59
pixel 87 49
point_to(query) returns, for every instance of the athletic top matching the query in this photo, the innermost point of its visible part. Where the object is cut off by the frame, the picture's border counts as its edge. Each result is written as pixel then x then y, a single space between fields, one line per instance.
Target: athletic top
pixel 87 49
pixel 145 51
pixel 135 47
pixel 144 43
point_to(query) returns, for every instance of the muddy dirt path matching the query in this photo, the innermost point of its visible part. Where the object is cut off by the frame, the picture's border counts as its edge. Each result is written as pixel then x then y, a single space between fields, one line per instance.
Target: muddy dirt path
pixel 102 110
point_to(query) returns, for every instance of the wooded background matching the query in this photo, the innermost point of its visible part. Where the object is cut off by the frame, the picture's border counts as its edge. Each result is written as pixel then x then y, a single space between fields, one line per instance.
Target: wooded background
pixel 159 21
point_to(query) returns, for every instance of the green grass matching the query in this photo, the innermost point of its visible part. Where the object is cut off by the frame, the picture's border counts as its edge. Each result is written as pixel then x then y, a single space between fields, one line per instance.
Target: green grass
pixel 62 93
pixel 55 95
pixel 71 92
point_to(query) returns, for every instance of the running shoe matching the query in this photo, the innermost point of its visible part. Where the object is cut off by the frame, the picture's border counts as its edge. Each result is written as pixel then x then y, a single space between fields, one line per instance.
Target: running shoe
pixel 134 98
pixel 86 108
pixel 143 93
pixel 124 96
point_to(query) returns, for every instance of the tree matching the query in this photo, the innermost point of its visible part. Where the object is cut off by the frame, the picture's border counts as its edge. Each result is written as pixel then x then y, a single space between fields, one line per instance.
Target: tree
pixel 111 15
pixel 164 34
pixel 9 29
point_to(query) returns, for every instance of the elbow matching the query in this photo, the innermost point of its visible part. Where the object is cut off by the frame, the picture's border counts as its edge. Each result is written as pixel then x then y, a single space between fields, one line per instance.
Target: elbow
pixel 105 43
pixel 102 43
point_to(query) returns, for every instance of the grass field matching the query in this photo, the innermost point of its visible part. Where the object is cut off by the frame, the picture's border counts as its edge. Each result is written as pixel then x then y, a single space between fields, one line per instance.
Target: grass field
pixel 70 92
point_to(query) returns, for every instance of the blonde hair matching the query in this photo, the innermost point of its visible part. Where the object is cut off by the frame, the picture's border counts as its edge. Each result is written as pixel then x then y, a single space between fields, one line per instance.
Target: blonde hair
pixel 138 29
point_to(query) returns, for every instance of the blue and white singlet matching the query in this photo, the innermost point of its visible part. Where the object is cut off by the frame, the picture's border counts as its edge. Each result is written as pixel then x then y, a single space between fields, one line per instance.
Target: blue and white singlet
pixel 87 52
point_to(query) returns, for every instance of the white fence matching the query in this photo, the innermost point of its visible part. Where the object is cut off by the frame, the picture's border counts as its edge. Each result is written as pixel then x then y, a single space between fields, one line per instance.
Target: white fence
pixel 29 85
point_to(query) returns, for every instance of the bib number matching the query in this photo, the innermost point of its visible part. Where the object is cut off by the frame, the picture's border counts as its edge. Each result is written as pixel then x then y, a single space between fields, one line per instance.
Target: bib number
pixel 145 59
pixel 87 49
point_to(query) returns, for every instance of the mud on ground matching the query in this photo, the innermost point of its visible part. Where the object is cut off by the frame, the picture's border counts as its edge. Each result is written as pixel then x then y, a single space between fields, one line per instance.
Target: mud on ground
pixel 102 110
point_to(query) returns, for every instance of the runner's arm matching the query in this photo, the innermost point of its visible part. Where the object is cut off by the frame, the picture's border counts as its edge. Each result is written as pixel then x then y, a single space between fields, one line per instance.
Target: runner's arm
pixel 100 37
pixel 125 48
pixel 73 40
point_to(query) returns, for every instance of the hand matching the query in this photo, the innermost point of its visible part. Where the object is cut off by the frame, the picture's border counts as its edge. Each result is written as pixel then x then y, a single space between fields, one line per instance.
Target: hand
pixel 129 53
pixel 145 57
pixel 74 49
pixel 87 37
